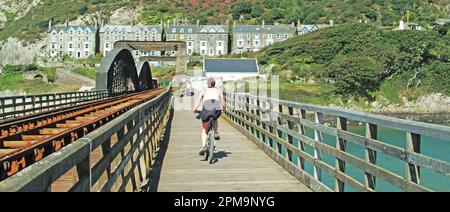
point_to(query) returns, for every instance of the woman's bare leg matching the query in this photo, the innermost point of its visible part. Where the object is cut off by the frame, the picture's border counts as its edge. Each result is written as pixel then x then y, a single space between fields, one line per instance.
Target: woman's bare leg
pixel 204 134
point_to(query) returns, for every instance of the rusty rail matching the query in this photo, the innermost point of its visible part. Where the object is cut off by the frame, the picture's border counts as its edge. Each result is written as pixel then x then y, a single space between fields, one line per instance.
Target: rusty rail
pixel 128 146
pixel 27 141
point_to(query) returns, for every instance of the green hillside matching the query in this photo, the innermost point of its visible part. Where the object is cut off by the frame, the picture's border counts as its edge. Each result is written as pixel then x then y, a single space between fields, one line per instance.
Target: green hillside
pixel 381 12
pixel 363 61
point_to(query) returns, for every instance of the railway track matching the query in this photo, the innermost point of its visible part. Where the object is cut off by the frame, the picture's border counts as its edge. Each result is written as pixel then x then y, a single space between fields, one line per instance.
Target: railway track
pixel 28 139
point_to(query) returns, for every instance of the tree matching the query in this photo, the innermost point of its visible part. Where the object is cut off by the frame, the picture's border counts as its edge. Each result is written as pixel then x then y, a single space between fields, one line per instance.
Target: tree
pixel 241 8
pixel 356 75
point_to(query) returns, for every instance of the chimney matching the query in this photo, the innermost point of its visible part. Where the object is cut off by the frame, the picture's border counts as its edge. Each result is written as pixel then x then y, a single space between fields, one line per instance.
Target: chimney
pixel 67 23
pixel 168 23
pixel 228 23
pixel 161 23
pixel 175 22
pixel 263 23
pixel 402 25
pixel 198 22
pixel 49 25
pixel 293 24
pixel 331 22
pixel 234 24
pixel 298 23
pixel 102 22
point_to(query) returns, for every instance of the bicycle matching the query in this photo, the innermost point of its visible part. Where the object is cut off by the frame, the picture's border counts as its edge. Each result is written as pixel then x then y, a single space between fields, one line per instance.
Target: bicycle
pixel 211 143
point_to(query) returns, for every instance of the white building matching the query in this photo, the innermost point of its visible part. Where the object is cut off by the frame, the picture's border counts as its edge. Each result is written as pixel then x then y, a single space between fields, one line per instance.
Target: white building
pixel 230 69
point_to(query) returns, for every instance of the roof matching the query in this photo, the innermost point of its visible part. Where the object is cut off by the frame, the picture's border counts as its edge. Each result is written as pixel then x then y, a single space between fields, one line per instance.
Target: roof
pixel 197 29
pixel 311 27
pixel 266 29
pixel 231 65
pixel 65 28
pixel 442 21
pixel 130 28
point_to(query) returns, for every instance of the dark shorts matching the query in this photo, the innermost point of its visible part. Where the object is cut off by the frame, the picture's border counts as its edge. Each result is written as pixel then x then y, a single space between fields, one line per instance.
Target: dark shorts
pixel 211 109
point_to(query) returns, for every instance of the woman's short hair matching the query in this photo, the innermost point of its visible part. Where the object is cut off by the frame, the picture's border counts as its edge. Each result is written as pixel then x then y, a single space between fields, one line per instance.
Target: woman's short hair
pixel 211 82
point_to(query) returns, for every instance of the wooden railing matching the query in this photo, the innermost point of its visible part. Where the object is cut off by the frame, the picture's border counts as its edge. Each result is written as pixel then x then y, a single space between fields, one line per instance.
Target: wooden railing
pixel 115 157
pixel 15 106
pixel 294 135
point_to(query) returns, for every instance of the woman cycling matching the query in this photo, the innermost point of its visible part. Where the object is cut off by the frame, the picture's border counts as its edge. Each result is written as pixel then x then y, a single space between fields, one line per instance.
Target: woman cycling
pixel 212 103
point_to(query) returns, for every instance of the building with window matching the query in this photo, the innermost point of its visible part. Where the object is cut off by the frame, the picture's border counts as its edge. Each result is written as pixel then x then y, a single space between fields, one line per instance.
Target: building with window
pixel 204 40
pixel 76 41
pixel 252 38
pixel 109 34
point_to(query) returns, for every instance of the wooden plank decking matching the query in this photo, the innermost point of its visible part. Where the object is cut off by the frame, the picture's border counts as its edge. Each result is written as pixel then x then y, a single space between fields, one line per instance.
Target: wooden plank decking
pixel 242 166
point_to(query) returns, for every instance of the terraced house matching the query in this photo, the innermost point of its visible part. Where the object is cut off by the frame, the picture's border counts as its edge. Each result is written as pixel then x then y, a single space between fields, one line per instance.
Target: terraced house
pixel 252 38
pixel 75 41
pixel 205 40
pixel 109 34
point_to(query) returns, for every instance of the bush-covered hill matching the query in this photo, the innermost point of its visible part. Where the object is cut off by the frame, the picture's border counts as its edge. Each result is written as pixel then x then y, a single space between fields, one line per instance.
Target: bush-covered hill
pixel 381 12
pixel 364 61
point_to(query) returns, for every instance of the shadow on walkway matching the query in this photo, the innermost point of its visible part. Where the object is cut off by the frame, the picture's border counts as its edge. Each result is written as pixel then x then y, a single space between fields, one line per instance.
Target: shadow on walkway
pixel 155 174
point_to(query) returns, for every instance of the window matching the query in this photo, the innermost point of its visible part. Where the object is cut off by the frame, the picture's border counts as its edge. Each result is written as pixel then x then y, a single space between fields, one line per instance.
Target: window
pixel 173 37
pixel 203 43
pixel 86 53
pixel 219 52
pixel 54 33
pixel 70 53
pixel 219 44
pixel 211 51
pixel 107 38
pixel 240 44
pixel 138 38
pixel 181 30
pixel 203 52
pixel 189 43
pixel 190 30
pixel 240 37
pixel 286 36
pixel 249 37
pixel 86 45
pixel 86 38
pixel 174 30
pixel 106 45
pixel 270 36
pixel 278 36
pixel 53 46
pixel 256 36
pixel 70 46
pixel 70 38
pixel 189 51
pixel 79 46
pixel 189 37
pixel 256 43
pixel 248 43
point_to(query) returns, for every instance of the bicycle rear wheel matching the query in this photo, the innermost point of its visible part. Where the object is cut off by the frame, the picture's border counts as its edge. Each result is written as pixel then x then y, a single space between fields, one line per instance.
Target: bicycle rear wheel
pixel 211 144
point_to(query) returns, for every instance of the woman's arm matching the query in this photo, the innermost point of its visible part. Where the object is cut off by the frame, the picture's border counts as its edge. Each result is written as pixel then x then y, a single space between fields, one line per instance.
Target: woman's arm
pixel 199 100
pixel 222 101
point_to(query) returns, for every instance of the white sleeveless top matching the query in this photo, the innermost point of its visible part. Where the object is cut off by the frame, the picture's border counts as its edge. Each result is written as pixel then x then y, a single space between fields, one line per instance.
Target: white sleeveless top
pixel 210 94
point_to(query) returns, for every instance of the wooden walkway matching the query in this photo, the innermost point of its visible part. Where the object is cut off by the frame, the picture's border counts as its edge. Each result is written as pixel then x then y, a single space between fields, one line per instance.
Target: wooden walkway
pixel 242 166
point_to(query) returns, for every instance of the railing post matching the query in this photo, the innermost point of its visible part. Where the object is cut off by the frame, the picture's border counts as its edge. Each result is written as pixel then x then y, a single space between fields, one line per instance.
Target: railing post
pixel 370 155
pixel 341 145
pixel 413 142
pixel 302 131
pixel 318 138
pixel 289 136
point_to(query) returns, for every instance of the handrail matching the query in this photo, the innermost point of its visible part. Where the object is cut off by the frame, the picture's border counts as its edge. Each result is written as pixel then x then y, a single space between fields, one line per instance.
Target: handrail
pixel 133 137
pixel 16 106
pixel 275 124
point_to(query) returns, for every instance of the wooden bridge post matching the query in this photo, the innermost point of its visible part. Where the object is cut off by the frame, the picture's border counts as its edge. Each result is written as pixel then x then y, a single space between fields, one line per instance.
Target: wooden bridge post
pixel 317 152
pixel 341 145
pixel 370 155
pixel 302 131
pixel 413 142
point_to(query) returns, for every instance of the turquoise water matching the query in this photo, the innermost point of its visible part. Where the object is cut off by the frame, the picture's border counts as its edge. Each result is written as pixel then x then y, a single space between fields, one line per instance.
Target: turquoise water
pixel 436 148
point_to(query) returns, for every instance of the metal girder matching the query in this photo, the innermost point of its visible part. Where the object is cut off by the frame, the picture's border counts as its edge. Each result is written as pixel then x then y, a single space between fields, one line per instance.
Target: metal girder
pixel 160 59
